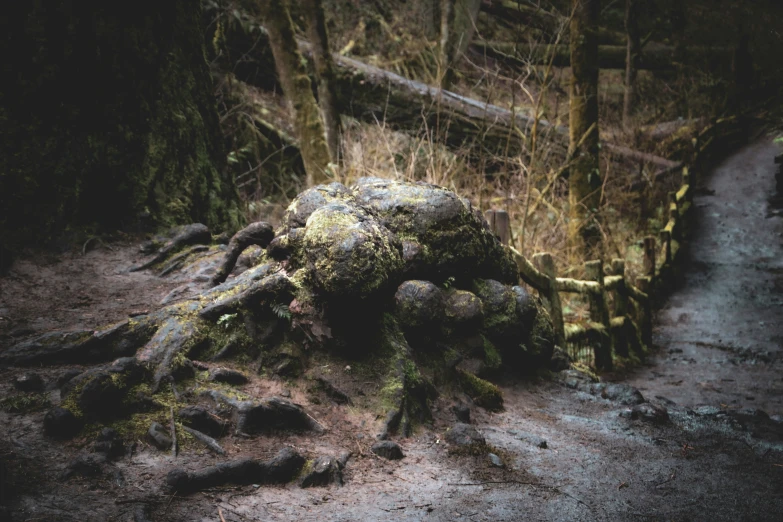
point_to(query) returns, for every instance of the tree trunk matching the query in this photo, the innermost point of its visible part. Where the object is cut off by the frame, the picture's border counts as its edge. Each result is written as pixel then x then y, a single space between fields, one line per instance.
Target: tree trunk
pixel 631 59
pixel 324 73
pixel 370 94
pixel 584 177
pixel 108 120
pixel 292 71
pixel 458 23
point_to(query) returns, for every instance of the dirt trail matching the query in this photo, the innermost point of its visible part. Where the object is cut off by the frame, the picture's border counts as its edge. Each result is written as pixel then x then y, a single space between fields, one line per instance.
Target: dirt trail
pixel 721 334
pixel 568 451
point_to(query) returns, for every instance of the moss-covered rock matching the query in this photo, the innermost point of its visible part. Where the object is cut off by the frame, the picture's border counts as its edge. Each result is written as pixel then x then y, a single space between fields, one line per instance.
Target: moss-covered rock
pixel 347 253
pixel 499 304
pixel 418 304
pixel 447 237
pixel 312 199
pixel 483 393
pixel 463 309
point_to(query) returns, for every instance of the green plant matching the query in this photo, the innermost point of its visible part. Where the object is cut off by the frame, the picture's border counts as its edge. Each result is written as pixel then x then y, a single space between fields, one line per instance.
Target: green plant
pixel 226 320
pixel 281 310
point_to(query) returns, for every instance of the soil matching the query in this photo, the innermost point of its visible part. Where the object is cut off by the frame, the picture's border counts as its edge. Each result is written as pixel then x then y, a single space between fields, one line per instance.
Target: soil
pixel 719 339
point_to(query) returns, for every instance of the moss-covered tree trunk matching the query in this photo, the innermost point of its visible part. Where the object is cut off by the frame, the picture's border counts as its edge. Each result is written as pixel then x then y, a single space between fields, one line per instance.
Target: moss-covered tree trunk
pixel 631 59
pixel 324 73
pixel 458 23
pixel 584 177
pixel 108 120
pixel 292 70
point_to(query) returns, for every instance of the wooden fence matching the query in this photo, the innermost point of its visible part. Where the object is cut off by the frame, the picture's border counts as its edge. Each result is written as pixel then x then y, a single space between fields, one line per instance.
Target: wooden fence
pixel 626 329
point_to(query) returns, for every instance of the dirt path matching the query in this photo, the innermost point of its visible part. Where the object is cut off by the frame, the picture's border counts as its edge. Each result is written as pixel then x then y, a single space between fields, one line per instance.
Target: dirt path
pixel 721 334
pixel 569 452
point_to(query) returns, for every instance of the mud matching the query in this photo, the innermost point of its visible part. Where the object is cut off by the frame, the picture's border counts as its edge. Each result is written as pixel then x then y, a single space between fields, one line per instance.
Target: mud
pixel 721 334
pixel 566 454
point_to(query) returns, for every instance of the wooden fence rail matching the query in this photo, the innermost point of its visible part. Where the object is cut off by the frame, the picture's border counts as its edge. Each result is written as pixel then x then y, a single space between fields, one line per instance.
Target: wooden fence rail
pixel 626 329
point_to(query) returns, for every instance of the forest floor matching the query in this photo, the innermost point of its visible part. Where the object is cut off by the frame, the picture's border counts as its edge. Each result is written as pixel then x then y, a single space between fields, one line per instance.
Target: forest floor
pixel 567 454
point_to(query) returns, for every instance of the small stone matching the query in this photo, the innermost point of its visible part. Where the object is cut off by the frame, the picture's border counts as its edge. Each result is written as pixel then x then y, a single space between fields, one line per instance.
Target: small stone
pixel 29 382
pixel 159 436
pixel 87 465
pixel 461 412
pixel 495 460
pixel 650 413
pixel 228 376
pixel 621 393
pixel 388 450
pixel 61 423
pixel 324 471
pixel 201 420
pixel 464 435
pixel 109 444
pixel 66 376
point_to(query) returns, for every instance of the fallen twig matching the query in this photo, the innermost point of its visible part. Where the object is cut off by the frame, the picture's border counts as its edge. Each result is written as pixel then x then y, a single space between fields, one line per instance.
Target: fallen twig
pixel 208 441
pixel 220 512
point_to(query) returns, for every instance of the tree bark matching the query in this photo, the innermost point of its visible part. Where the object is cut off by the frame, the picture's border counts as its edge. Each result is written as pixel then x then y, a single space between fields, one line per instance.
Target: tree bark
pixel 584 176
pixel 458 23
pixel 108 120
pixel 631 59
pixel 324 73
pixel 292 71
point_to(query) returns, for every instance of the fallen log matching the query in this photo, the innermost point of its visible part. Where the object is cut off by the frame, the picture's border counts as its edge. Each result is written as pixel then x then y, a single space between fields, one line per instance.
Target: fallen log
pixel 547 21
pixel 371 94
pixel 654 58
pixel 657 58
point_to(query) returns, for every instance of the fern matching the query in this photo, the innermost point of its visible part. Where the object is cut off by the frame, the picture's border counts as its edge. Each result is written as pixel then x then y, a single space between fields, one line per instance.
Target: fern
pixel 448 283
pixel 281 310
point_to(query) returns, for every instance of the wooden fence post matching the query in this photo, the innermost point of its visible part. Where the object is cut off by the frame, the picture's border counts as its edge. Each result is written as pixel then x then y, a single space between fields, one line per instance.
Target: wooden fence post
pixel 686 176
pixel 666 239
pixel 644 319
pixel 546 266
pixel 620 309
pixel 674 214
pixel 500 224
pixel 599 313
pixel 649 257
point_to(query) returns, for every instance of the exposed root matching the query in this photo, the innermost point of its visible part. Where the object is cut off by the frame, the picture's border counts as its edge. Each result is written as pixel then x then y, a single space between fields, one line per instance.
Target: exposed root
pixel 282 468
pixel 407 390
pixel 193 234
pixel 259 233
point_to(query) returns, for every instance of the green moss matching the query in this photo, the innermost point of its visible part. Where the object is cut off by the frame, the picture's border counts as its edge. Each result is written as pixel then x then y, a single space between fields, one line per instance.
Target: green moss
pixel 24 403
pixel 369 265
pixel 483 393
pixel 586 370
pixel 492 358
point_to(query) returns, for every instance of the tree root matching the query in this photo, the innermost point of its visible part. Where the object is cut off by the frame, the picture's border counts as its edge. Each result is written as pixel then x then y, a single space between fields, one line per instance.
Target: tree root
pixel 409 392
pixel 267 415
pixel 259 233
pixel 193 234
pixel 282 468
